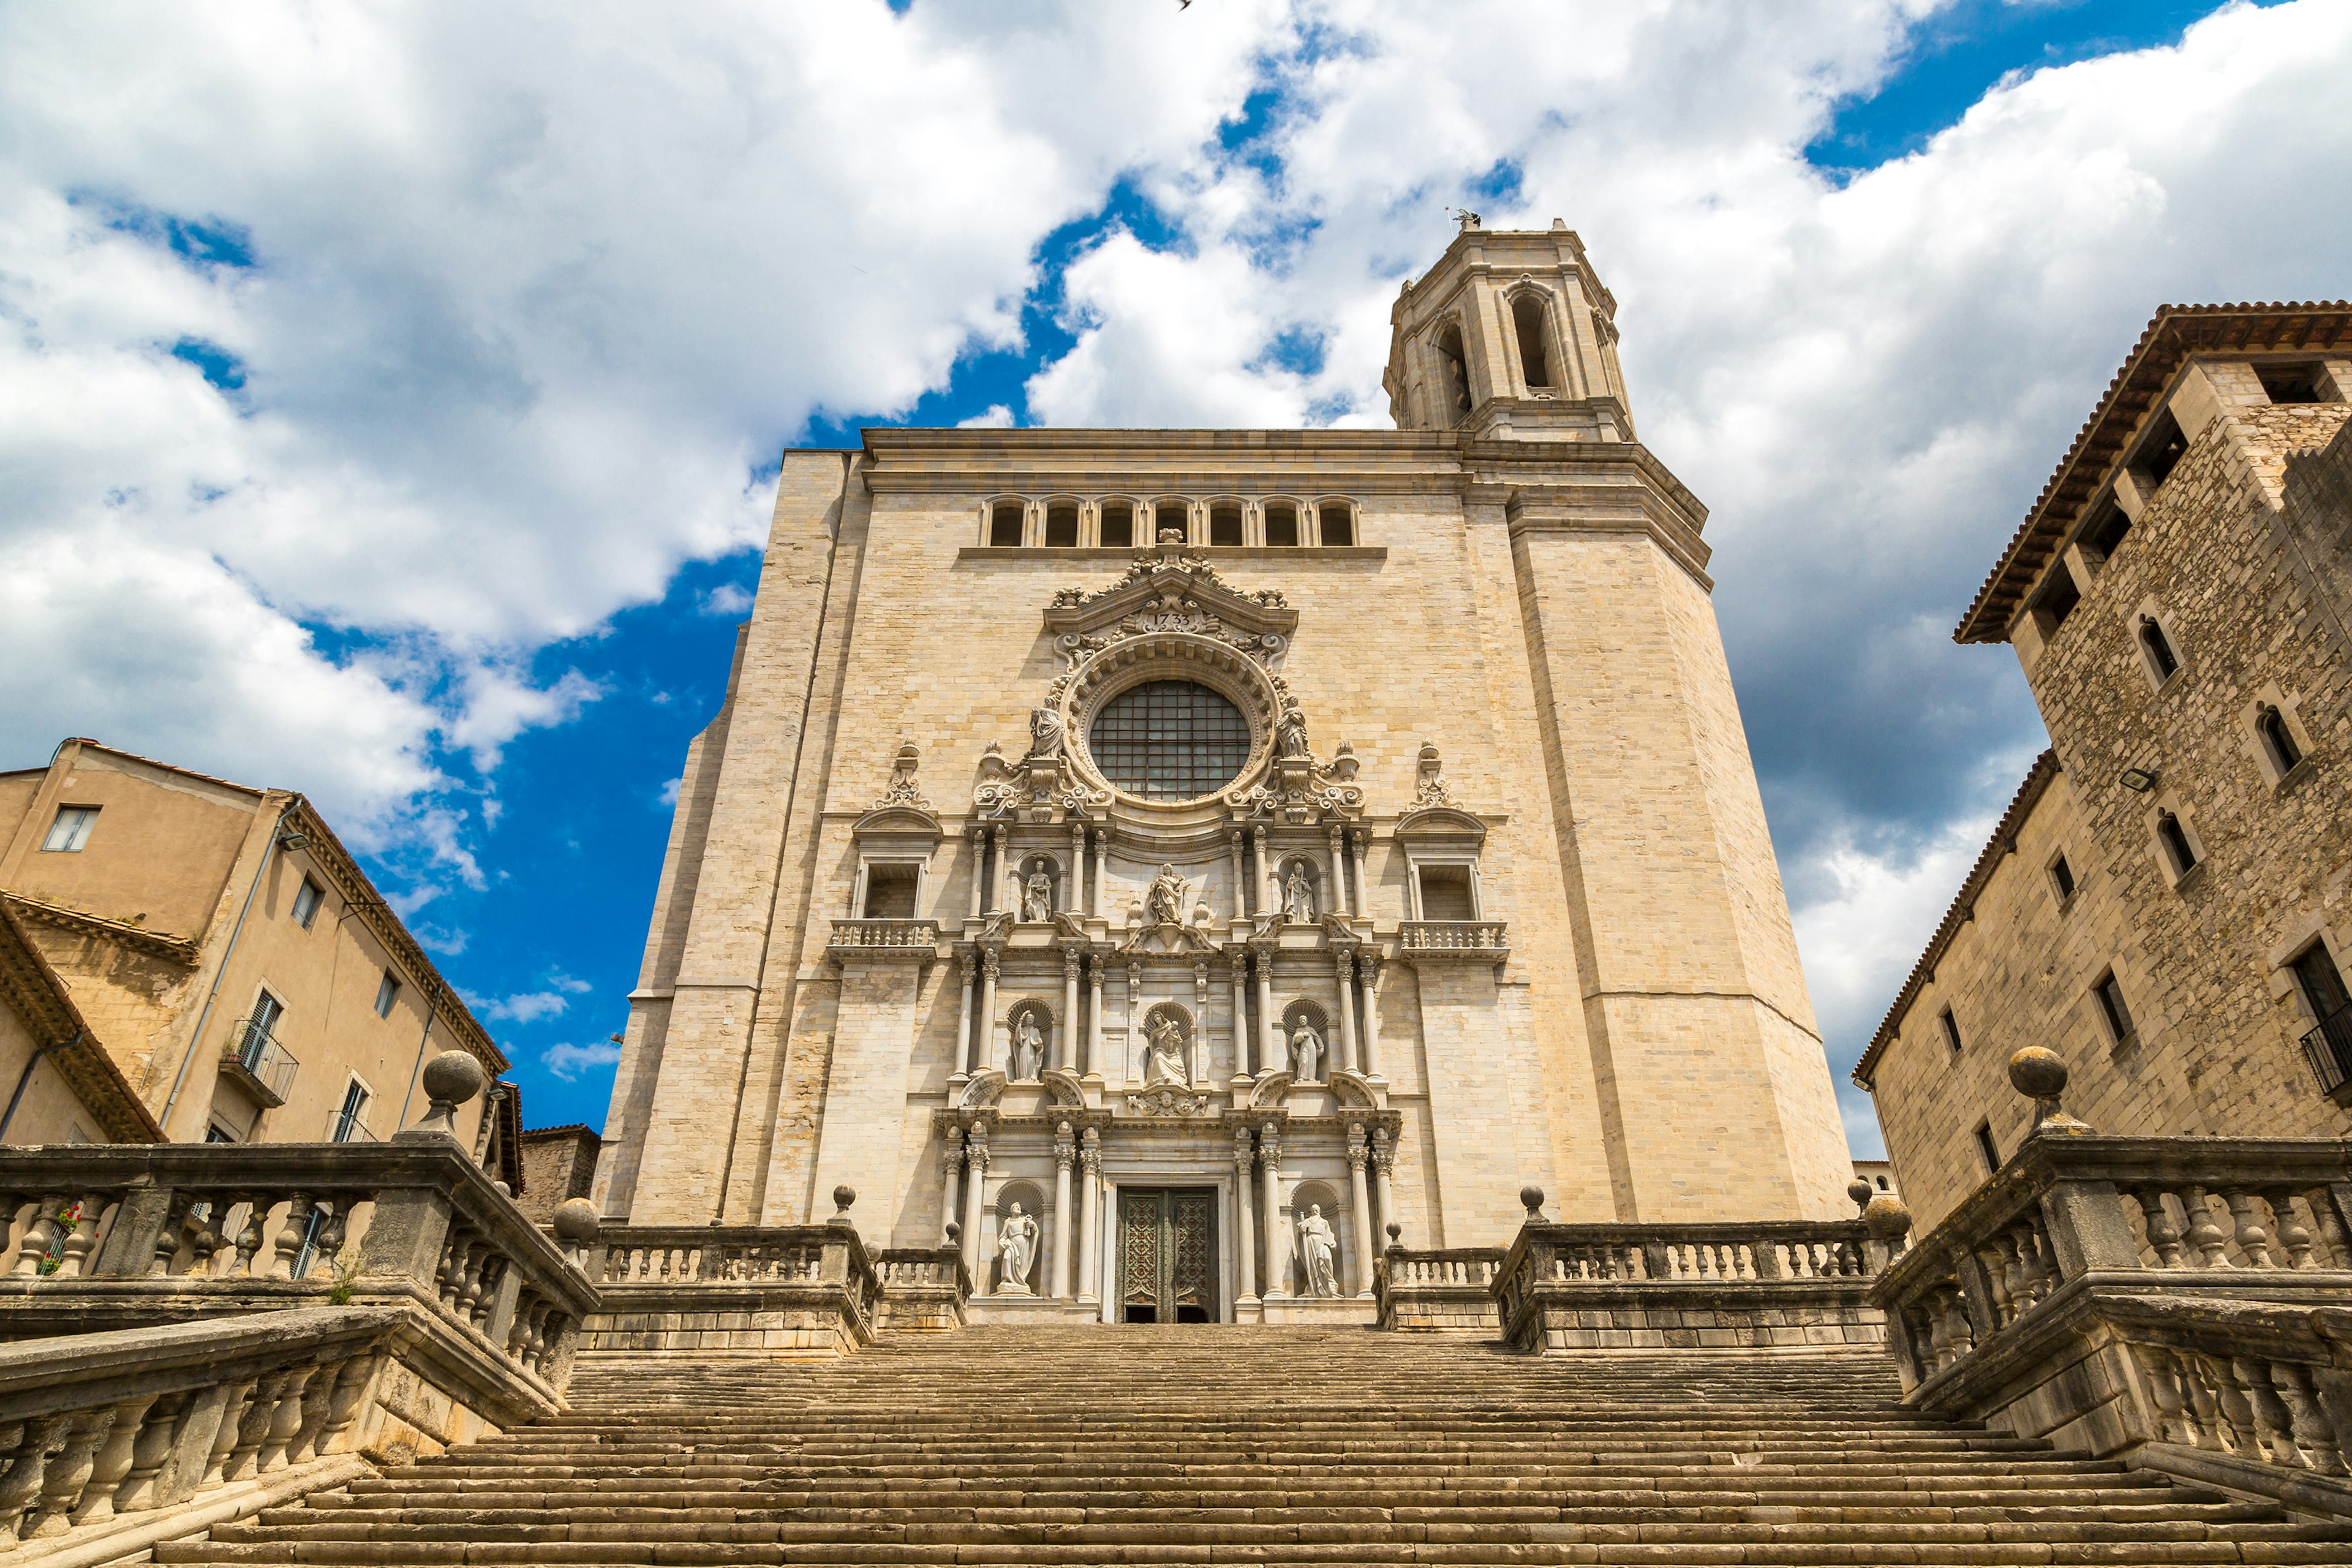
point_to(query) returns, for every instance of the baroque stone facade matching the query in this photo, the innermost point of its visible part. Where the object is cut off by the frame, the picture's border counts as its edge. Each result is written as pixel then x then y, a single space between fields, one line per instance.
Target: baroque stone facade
pixel 1226 846
pixel 2165 902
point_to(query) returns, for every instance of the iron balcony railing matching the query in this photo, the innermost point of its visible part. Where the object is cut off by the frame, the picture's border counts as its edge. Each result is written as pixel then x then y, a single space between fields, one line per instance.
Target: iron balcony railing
pixel 2329 1048
pixel 253 1048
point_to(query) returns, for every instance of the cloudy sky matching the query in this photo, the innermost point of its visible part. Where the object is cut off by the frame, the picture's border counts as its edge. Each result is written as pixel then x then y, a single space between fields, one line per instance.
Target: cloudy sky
pixel 390 394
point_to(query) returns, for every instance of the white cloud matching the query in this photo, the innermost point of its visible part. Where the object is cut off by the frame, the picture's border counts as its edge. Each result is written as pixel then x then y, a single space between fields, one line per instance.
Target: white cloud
pixel 524 1007
pixel 996 416
pixel 571 985
pixel 567 1062
pixel 726 599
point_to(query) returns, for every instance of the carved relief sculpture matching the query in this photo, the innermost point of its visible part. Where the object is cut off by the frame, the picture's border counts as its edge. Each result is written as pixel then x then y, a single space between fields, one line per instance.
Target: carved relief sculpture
pixel 1319 1250
pixel 1164 1052
pixel 1028 1046
pixel 1298 897
pixel 1016 1243
pixel 1307 1050
pixel 1037 896
pixel 1165 901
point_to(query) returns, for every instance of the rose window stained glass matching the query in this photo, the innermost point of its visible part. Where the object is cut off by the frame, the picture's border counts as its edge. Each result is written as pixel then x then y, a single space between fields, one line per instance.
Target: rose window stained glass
pixel 1169 740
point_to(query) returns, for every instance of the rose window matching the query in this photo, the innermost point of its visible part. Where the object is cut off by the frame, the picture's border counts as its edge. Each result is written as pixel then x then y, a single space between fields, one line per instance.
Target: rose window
pixel 1169 740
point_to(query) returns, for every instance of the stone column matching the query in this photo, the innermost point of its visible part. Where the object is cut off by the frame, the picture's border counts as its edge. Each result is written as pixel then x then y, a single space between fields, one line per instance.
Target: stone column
pixel 975 1161
pixel 1257 862
pixel 1383 1161
pixel 1065 1038
pixel 1092 1067
pixel 1102 871
pixel 1244 1227
pixel 1134 996
pixel 951 1169
pixel 1089 1210
pixel 1240 967
pixel 996 878
pixel 1345 963
pixel 970 963
pixel 1241 889
pixel 1075 898
pixel 979 869
pixel 1271 1055
pixel 1358 1154
pixel 984 1048
pixel 1065 1153
pixel 1198 1066
pixel 1362 838
pixel 1269 1160
pixel 1338 891
pixel 1368 967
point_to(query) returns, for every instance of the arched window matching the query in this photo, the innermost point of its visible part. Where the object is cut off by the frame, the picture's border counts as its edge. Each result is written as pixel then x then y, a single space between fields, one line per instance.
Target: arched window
pixel 1168 515
pixel 1117 524
pixel 1455 369
pixel 1005 521
pixel 2175 840
pixel 1339 522
pixel 1281 522
pixel 1169 740
pixel 1062 523
pixel 1225 522
pixel 1535 360
pixel 2277 739
pixel 2161 660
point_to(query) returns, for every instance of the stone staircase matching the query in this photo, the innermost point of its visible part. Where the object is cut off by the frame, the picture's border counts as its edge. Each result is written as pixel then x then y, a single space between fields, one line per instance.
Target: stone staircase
pixel 1132 1445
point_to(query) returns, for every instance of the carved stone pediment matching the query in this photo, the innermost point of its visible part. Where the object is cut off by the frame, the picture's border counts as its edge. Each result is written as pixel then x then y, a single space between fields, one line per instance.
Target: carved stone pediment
pixel 1170 589
pixel 1062 1086
pixel 986 1089
pixel 1351 1088
pixel 1164 938
pixel 1270 1090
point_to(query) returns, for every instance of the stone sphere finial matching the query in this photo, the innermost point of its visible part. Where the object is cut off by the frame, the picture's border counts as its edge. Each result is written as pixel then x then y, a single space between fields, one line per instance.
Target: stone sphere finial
pixel 576 1219
pixel 1395 1231
pixel 2040 1074
pixel 954 1233
pixel 1531 1199
pixel 450 1081
pixel 1888 1220
pixel 842 1196
pixel 1858 1193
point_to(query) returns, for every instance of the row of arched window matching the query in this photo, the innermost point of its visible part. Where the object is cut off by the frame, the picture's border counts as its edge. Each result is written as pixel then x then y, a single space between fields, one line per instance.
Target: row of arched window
pixel 1119 523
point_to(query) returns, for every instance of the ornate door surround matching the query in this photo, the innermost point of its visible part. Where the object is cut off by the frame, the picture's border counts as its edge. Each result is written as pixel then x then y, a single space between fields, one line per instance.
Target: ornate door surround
pixel 1167 1255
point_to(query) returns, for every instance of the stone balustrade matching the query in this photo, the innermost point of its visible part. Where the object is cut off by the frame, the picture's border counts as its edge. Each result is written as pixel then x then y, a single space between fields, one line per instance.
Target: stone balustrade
pixel 1771 1285
pixel 884 939
pixel 112 1441
pixel 924 1289
pixel 1482 941
pixel 1448 1290
pixel 2177 1301
pixel 789 1290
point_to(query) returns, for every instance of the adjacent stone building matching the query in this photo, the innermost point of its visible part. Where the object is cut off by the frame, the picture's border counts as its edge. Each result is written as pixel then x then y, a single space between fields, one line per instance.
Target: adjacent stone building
pixel 2165 902
pixel 239 972
pixel 1172 856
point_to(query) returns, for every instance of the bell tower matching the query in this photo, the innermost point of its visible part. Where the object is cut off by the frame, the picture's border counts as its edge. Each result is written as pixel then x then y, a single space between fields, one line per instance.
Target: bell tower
pixel 1510 336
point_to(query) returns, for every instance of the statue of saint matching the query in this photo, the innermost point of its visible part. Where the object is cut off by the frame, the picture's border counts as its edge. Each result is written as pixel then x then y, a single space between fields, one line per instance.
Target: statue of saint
pixel 1037 896
pixel 1319 1250
pixel 1044 735
pixel 1290 734
pixel 1166 900
pixel 1163 1052
pixel 1028 1047
pixel 1306 1054
pixel 1016 1243
pixel 1298 897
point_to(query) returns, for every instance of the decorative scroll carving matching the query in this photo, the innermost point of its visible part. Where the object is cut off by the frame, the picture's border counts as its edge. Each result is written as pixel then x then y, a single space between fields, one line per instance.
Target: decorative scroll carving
pixel 1431 788
pixel 903 790
pixel 1166 1100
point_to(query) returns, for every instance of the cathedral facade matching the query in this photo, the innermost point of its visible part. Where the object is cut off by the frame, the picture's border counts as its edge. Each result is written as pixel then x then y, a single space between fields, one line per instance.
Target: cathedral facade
pixel 1174 862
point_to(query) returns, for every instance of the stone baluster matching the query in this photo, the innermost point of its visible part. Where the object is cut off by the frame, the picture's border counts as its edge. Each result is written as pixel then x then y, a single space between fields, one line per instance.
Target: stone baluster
pixel 113 1459
pixel 291 1236
pixel 2155 1220
pixel 2253 1241
pixel 2293 1239
pixel 153 1440
pixel 1345 962
pixel 984 1049
pixel 1066 1154
pixel 81 1239
pixel 285 1420
pixel 1244 1226
pixel 1090 1211
pixel 2162 1375
pixel 2315 1435
pixel 2196 1384
pixel 1359 1155
pixel 1065 1044
pixel 1092 1066
pixel 1368 969
pixel 68 1473
pixel 43 1233
pixel 26 1466
pixel 975 1178
pixel 2274 1427
pixel 252 1429
pixel 968 961
pixel 2212 1243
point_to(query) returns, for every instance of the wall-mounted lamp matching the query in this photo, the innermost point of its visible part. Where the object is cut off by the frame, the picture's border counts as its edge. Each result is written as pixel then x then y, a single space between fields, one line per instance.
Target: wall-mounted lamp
pixel 292 840
pixel 2139 781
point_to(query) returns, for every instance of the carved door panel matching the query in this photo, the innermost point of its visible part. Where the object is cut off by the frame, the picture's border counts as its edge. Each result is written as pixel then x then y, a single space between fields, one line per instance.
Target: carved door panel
pixel 1168 1254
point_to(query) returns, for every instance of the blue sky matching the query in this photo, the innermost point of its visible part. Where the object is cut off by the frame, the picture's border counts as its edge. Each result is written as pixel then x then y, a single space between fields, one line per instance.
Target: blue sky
pixel 393 396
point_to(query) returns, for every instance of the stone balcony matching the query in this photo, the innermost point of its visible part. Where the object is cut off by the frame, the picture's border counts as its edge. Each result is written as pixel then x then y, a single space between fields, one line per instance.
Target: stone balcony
pixel 1466 942
pixel 870 941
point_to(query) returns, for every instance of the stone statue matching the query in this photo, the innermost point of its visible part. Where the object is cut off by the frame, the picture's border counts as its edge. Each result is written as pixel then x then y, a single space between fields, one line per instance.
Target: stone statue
pixel 1166 898
pixel 1037 896
pixel 1164 1052
pixel 1028 1047
pixel 1306 1054
pixel 1045 734
pixel 1319 1250
pixel 1016 1243
pixel 1290 734
pixel 1298 897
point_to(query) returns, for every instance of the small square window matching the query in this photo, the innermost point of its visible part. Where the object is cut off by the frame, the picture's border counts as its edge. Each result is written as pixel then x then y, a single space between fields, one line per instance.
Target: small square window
pixel 387 991
pixel 1117 524
pixel 2061 877
pixel 1987 1150
pixel 1951 1028
pixel 2112 1008
pixel 2177 847
pixel 307 902
pixel 889 892
pixel 70 831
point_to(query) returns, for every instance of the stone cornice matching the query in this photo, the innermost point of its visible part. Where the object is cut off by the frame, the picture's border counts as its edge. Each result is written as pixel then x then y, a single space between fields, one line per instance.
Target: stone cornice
pixel 39 998
pixel 139 938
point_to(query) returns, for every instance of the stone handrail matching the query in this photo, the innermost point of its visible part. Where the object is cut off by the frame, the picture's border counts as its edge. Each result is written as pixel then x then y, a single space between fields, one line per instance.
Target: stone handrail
pixel 2177 1301
pixel 1467 937
pixel 924 1288
pixel 1446 1290
pixel 1767 1284
pixel 110 1438
pixel 788 1289
pixel 100 1236
pixel 915 938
